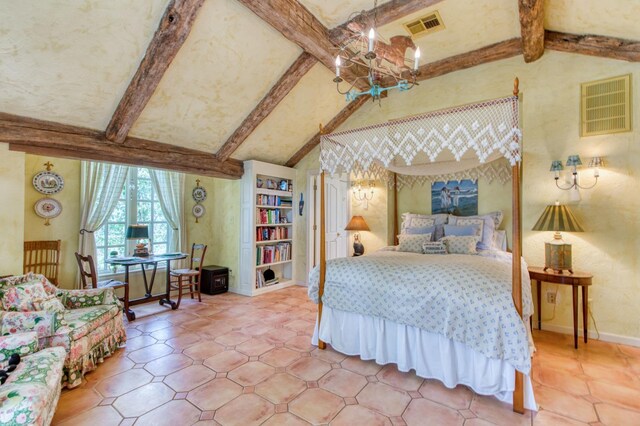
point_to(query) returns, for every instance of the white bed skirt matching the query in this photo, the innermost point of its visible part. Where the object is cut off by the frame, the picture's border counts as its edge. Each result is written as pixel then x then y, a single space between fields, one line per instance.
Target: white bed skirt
pixel 431 355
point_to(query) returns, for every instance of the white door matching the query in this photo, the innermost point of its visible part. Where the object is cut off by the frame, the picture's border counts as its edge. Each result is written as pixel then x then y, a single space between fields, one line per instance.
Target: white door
pixel 335 192
pixel 337 211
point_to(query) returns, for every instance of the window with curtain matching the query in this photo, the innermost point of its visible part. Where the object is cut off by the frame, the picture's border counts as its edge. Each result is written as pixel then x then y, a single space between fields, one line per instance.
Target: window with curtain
pixel 138 203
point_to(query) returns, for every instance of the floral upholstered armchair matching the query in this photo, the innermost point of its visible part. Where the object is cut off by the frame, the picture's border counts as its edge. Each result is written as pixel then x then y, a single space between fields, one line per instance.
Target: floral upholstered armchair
pixel 88 324
pixel 31 393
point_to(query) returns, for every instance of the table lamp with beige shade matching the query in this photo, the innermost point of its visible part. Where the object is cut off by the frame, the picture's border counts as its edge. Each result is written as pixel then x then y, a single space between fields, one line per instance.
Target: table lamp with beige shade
pixel 357 223
pixel 557 253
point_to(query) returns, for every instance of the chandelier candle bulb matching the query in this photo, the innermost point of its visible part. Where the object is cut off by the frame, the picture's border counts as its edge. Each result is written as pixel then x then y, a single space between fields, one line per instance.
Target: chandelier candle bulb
pixel 338 63
pixel 416 60
pixel 372 36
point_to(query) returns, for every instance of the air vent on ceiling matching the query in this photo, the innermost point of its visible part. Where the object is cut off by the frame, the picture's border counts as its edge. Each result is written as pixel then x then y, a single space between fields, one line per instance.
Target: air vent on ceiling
pixel 606 106
pixel 425 25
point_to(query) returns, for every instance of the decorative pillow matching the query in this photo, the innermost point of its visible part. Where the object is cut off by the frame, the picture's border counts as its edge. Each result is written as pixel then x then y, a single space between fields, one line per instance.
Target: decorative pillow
pixel 487 227
pixel 461 245
pixel 412 243
pixel 461 231
pixel 50 304
pixel 434 247
pixel 439 220
pixel 74 301
pixel 423 230
pixel 20 297
pixel 27 278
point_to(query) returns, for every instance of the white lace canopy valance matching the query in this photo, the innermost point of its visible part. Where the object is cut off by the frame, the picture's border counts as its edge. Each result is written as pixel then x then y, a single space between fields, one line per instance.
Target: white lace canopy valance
pixel 435 143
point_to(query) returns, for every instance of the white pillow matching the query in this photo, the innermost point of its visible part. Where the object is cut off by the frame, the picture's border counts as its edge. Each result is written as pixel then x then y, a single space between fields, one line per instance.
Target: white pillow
pixel 412 243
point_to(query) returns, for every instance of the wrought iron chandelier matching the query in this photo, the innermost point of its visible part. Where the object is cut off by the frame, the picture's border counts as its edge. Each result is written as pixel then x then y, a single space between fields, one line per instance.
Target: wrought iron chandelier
pixel 385 63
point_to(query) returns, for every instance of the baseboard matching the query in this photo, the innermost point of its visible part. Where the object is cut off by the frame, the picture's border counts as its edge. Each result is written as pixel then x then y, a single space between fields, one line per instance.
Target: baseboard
pixel 605 337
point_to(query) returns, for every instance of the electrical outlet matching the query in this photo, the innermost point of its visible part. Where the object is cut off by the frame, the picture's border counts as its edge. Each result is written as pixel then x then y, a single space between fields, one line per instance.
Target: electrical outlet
pixel 551 297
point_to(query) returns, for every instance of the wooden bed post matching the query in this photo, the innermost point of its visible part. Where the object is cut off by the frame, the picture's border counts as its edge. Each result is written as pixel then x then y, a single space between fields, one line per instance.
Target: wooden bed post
pixel 395 208
pixel 323 260
pixel 518 393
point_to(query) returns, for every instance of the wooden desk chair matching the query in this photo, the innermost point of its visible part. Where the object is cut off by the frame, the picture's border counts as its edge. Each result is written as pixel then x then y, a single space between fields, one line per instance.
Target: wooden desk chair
pixel 42 257
pixel 191 277
pixel 87 261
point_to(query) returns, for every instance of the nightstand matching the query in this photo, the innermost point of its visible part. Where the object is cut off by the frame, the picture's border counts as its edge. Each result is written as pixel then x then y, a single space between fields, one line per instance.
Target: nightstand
pixel 575 280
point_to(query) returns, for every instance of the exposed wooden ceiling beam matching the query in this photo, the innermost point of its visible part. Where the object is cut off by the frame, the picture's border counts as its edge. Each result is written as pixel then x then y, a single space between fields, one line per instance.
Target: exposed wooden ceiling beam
pixel 384 14
pixel 49 138
pixel 173 30
pixel 594 45
pixel 297 24
pixel 277 93
pixel 532 28
pixel 493 52
pixel 335 122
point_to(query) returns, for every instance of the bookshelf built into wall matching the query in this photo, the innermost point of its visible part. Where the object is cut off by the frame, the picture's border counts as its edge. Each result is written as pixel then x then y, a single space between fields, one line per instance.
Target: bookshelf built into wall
pixel 266 228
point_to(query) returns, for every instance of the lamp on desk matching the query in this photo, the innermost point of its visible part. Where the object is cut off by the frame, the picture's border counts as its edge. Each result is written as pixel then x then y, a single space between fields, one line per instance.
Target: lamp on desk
pixel 557 253
pixel 139 232
pixel 357 223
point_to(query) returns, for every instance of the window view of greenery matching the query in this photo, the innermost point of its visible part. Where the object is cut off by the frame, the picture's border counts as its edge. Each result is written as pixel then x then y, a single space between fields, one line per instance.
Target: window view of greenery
pixel 138 204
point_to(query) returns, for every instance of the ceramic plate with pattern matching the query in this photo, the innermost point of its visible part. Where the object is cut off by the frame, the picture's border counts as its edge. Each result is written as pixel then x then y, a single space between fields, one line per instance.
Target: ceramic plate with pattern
pixel 48 208
pixel 47 182
pixel 199 194
pixel 198 210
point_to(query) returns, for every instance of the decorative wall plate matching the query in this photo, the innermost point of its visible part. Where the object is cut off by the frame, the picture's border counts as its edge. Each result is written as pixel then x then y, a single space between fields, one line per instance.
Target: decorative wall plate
pixel 198 211
pixel 48 182
pixel 47 208
pixel 199 194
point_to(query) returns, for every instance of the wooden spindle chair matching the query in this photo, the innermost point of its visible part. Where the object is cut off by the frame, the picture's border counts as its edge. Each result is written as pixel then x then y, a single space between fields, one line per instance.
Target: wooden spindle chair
pixel 191 277
pixel 86 262
pixel 42 257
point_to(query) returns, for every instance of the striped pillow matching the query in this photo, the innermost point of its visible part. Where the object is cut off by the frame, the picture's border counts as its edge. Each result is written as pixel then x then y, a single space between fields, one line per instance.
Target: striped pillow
pixel 434 247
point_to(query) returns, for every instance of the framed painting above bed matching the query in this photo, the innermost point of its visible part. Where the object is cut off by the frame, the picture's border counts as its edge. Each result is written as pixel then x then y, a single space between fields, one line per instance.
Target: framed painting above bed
pixel 455 197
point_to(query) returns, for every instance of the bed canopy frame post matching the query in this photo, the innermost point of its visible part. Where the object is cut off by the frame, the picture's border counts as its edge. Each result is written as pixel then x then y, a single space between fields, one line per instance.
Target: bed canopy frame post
pixel 395 208
pixel 323 260
pixel 518 392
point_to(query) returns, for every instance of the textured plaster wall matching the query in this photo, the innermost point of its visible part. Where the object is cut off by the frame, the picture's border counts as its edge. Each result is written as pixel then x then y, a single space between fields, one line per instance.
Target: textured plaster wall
pixel 219 228
pixel 550 89
pixel 301 243
pixel 12 211
pixel 66 226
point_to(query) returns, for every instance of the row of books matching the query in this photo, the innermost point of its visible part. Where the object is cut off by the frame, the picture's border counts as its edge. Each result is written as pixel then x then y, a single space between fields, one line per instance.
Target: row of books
pixel 268 217
pixel 272 200
pixel 273 253
pixel 277 233
pixel 261 282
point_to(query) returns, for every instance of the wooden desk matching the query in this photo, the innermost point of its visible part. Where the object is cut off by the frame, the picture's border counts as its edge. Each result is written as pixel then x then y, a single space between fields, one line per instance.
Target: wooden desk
pixel 575 280
pixel 153 261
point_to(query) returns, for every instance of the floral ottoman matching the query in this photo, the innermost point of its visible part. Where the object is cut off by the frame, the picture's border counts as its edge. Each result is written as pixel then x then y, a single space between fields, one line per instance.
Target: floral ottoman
pixel 88 324
pixel 30 394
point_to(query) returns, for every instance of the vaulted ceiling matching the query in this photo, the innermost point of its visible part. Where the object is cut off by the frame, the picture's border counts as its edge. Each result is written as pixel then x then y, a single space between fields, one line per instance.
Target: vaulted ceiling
pixel 240 85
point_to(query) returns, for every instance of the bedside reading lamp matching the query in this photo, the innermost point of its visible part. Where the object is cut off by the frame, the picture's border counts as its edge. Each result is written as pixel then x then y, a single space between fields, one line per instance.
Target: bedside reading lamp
pixel 357 223
pixel 557 253
pixel 139 232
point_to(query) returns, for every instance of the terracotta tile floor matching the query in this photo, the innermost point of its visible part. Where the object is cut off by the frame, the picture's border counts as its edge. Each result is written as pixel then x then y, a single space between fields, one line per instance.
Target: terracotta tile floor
pixel 234 360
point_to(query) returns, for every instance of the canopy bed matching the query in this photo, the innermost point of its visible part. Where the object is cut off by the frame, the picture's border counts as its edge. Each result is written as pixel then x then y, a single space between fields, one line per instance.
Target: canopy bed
pixel 455 318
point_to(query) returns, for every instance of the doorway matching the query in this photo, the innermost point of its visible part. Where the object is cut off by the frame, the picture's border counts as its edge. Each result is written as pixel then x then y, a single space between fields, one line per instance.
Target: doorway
pixel 337 208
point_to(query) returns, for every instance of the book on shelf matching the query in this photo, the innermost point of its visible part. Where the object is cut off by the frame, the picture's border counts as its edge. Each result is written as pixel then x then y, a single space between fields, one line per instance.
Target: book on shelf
pixel 261 282
pixel 267 234
pixel 273 253
pixel 267 216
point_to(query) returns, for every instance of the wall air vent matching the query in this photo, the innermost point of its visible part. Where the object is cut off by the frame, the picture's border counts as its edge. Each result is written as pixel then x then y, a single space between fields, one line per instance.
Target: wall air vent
pixel 606 106
pixel 425 25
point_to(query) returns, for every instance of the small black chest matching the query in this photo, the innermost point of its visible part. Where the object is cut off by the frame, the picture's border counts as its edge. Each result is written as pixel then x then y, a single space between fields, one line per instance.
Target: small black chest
pixel 215 279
